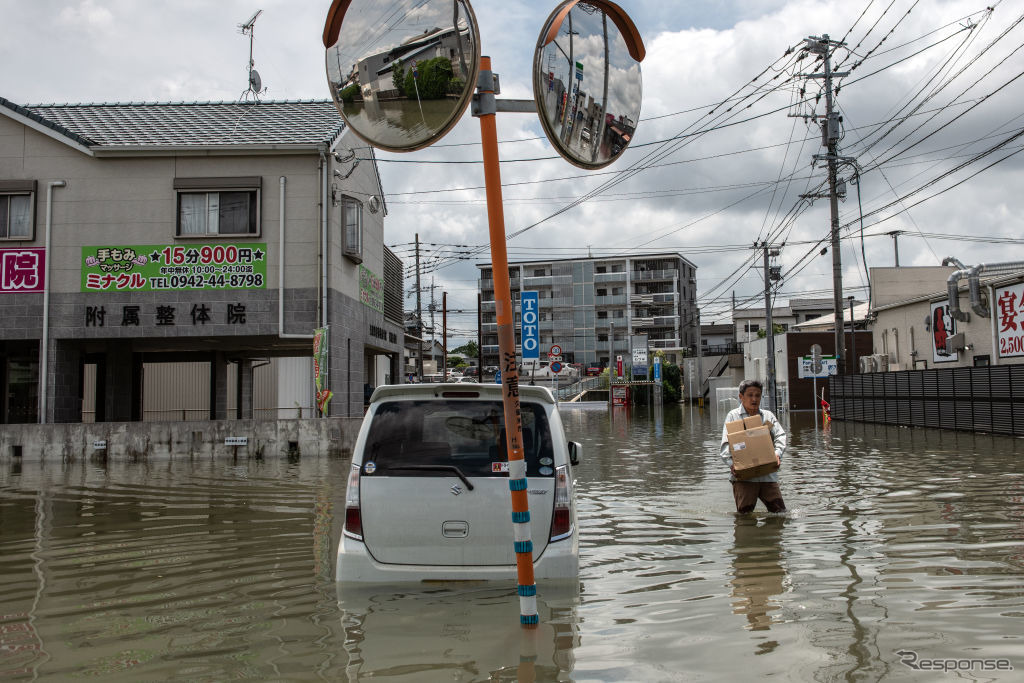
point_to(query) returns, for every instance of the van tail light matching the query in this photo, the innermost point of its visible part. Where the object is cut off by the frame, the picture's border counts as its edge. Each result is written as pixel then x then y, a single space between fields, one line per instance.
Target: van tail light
pixel 353 517
pixel 561 520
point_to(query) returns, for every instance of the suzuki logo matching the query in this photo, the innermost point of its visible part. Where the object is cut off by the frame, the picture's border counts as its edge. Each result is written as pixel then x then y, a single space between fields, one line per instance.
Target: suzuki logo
pixel 456 489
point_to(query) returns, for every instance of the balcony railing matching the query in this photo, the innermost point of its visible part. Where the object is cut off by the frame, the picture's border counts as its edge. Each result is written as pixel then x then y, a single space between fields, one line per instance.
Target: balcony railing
pixel 665 343
pixel 610 277
pixel 615 300
pixel 668 274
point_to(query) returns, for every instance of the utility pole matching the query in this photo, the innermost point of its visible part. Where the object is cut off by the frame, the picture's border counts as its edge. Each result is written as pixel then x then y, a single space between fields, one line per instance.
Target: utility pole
pixel 444 332
pixel 419 312
pixel 769 275
pixel 433 327
pixel 700 361
pixel 830 135
pixel 479 338
pixel 895 245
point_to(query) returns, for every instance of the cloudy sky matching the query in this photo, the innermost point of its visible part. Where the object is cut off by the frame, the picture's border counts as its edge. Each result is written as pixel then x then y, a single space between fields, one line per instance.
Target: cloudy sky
pixel 722 153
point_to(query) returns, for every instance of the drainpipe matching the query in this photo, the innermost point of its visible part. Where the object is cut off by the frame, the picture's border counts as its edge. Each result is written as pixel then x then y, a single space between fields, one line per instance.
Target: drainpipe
pixel 323 240
pixel 975 286
pixel 994 357
pixel 44 352
pixel 280 273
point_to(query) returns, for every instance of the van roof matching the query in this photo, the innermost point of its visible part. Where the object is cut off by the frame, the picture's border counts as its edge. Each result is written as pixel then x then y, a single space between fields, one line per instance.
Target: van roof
pixel 485 391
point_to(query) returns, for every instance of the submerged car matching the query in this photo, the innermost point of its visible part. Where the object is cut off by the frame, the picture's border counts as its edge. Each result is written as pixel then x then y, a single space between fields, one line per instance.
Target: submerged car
pixel 428 491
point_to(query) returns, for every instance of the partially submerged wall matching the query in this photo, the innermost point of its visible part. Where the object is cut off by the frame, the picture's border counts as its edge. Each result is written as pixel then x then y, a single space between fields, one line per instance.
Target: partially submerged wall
pixel 332 437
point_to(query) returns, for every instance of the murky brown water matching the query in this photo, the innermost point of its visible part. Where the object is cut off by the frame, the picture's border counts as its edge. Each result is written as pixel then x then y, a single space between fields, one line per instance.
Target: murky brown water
pixel 897 540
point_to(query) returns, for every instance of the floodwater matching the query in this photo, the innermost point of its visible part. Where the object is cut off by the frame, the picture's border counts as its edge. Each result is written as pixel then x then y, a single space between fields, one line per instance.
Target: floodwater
pixel 902 548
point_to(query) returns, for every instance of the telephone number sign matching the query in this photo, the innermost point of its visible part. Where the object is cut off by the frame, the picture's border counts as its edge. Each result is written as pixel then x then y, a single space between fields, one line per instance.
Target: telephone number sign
pixel 150 268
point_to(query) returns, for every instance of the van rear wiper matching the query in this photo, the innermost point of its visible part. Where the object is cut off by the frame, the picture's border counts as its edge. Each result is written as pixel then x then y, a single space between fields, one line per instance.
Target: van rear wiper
pixel 436 468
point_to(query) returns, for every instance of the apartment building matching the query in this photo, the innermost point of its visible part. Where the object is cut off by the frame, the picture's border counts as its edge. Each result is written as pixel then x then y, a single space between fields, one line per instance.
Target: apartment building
pixel 590 307
pixel 139 241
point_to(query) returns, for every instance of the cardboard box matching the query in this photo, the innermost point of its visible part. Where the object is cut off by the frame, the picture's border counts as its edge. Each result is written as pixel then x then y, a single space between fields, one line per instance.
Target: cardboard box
pixel 752 448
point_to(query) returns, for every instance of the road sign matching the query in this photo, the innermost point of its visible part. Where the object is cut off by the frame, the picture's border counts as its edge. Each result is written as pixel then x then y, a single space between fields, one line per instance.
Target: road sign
pixel 556 367
pixel 657 368
pixel 805 367
pixel 555 350
pixel 555 359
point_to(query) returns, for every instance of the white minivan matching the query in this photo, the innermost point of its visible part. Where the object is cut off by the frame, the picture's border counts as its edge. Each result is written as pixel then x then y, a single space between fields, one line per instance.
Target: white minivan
pixel 428 491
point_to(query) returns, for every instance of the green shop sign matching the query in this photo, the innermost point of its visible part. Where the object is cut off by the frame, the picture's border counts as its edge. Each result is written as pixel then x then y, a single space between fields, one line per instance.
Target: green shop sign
pixel 166 267
pixel 371 289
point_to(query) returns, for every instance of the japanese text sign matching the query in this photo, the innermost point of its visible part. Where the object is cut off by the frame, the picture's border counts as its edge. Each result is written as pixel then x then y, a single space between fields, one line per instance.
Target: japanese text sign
pixel 371 289
pixel 21 270
pixel 1009 314
pixel 153 268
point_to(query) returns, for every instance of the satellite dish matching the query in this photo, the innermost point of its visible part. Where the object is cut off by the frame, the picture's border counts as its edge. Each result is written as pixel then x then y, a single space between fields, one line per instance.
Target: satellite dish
pixel 374 205
pixel 255 82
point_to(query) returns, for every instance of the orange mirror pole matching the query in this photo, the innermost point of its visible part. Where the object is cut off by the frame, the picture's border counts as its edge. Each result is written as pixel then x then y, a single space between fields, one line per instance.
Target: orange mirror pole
pixel 484 108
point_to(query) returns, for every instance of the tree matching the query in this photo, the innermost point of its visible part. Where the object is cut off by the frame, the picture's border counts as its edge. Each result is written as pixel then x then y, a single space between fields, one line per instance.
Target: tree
pixel 434 76
pixel 398 76
pixel 777 328
pixel 469 349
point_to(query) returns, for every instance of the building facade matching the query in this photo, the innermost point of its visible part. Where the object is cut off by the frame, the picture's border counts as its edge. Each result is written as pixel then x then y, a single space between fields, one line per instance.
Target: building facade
pixel 918 325
pixel 224 234
pixel 591 306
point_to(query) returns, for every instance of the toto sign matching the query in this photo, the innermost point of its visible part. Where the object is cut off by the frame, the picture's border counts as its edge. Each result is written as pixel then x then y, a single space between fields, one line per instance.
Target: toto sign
pixel 529 329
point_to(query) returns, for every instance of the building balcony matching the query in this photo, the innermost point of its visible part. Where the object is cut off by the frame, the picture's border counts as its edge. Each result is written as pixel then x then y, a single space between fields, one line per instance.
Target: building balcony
pixel 609 277
pixel 665 344
pixel 645 275
pixel 615 300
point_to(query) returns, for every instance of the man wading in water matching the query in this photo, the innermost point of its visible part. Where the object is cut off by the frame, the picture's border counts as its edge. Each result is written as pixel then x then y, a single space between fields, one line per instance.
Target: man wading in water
pixel 765 487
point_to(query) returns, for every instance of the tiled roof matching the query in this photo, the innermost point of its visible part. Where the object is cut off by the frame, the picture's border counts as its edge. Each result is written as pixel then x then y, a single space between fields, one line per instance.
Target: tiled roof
pixel 174 124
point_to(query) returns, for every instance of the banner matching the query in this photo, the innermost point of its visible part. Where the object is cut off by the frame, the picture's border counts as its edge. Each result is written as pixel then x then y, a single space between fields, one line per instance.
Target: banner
pixel 163 267
pixel 943 326
pixel 371 289
pixel 320 378
pixel 529 327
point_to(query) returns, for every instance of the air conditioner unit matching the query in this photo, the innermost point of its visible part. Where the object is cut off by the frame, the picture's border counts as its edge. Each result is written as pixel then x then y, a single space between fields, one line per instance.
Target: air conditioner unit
pixel 881 362
pixel 867 364
pixel 955 343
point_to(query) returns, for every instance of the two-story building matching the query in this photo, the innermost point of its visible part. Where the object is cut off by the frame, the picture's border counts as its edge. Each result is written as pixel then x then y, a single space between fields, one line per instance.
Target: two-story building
pixel 140 241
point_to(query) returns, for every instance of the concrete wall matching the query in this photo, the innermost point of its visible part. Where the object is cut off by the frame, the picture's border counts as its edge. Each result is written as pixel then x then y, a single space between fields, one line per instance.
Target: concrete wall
pixel 332 437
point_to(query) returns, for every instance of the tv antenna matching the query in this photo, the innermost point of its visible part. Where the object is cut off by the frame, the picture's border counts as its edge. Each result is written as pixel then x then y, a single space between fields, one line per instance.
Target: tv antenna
pixel 255 82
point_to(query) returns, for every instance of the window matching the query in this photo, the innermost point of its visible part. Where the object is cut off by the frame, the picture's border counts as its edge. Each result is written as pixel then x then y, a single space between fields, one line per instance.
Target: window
pixel 17 203
pixel 218 206
pixel 352 229
pixel 538 272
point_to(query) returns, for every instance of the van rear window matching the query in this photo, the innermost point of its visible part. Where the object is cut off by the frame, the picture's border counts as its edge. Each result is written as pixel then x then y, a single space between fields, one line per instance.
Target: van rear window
pixel 466 434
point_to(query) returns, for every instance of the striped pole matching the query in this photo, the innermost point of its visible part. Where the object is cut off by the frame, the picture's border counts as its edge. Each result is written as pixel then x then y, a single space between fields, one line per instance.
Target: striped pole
pixel 506 347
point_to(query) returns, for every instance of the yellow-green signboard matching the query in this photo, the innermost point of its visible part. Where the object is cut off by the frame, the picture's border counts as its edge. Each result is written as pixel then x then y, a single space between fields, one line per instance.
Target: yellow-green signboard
pixel 167 267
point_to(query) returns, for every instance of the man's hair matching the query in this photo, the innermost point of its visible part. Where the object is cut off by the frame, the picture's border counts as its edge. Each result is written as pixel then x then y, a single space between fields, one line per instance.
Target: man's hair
pixel 747 383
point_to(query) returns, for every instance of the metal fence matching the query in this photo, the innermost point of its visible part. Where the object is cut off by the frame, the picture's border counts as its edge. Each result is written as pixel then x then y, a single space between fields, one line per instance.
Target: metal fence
pixel 985 399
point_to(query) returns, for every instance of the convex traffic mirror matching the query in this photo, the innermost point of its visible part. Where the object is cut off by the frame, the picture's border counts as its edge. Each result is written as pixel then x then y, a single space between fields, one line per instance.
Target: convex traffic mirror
pixel 401 72
pixel 586 81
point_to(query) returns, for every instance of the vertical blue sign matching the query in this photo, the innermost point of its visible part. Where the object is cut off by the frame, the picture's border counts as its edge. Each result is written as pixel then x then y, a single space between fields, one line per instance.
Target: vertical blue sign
pixel 657 368
pixel 529 330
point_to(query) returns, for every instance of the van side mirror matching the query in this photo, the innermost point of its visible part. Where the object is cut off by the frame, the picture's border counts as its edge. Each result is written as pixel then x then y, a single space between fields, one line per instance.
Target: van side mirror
pixel 575 448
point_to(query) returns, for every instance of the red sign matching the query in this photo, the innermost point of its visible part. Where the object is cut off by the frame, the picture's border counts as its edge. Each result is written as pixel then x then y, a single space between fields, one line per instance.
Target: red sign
pixel 555 350
pixel 21 270
pixel 618 366
pixel 556 367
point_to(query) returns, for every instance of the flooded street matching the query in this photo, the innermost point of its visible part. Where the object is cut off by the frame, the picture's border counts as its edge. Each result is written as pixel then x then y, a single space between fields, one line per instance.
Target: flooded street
pixel 896 541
